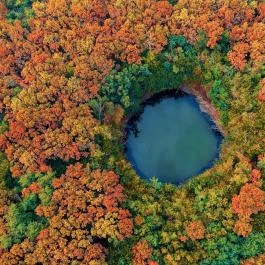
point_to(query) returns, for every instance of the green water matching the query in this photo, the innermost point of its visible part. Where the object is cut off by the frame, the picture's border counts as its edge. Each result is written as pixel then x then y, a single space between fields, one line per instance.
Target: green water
pixel 175 141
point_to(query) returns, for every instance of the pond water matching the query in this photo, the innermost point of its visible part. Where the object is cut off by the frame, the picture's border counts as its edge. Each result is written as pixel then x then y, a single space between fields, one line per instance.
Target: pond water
pixel 174 141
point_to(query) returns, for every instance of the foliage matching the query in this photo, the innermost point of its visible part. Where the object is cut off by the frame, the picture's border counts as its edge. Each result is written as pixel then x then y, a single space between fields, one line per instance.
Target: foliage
pixel 125 87
pixel 142 252
pixel 19 10
pixel 84 207
pixel 71 74
pixel 22 222
pixel 195 230
pixel 231 249
pixel 6 181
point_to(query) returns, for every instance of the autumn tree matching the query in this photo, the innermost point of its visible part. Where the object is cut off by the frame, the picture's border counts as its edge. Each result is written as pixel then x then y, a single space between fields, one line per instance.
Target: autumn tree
pixel 142 253
pixel 195 230
pixel 250 200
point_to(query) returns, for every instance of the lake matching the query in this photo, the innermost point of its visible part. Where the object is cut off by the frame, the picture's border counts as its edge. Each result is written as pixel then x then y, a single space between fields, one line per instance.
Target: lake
pixel 175 139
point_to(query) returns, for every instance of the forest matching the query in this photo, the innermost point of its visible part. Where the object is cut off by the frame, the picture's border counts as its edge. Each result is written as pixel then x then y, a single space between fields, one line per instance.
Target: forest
pixel 72 73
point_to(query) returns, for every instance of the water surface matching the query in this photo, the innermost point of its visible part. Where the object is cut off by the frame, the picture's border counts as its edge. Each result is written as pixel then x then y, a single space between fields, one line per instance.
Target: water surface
pixel 175 140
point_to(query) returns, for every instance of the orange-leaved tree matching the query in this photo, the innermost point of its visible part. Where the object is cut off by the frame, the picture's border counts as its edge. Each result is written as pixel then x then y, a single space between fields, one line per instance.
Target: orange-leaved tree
pixel 250 200
pixel 142 253
pixel 195 230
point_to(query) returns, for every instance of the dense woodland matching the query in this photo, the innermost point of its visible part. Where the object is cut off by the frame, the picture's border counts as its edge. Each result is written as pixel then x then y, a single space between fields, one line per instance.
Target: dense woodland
pixel 72 72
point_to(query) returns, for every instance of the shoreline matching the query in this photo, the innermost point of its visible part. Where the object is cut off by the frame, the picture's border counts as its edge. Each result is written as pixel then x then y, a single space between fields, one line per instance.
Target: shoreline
pixel 205 104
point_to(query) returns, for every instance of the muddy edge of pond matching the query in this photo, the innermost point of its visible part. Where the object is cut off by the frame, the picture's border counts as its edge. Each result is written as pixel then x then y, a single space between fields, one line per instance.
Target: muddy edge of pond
pixel 205 104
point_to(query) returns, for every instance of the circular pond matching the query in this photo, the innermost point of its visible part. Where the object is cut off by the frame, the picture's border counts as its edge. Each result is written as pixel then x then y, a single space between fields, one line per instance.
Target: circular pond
pixel 172 139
